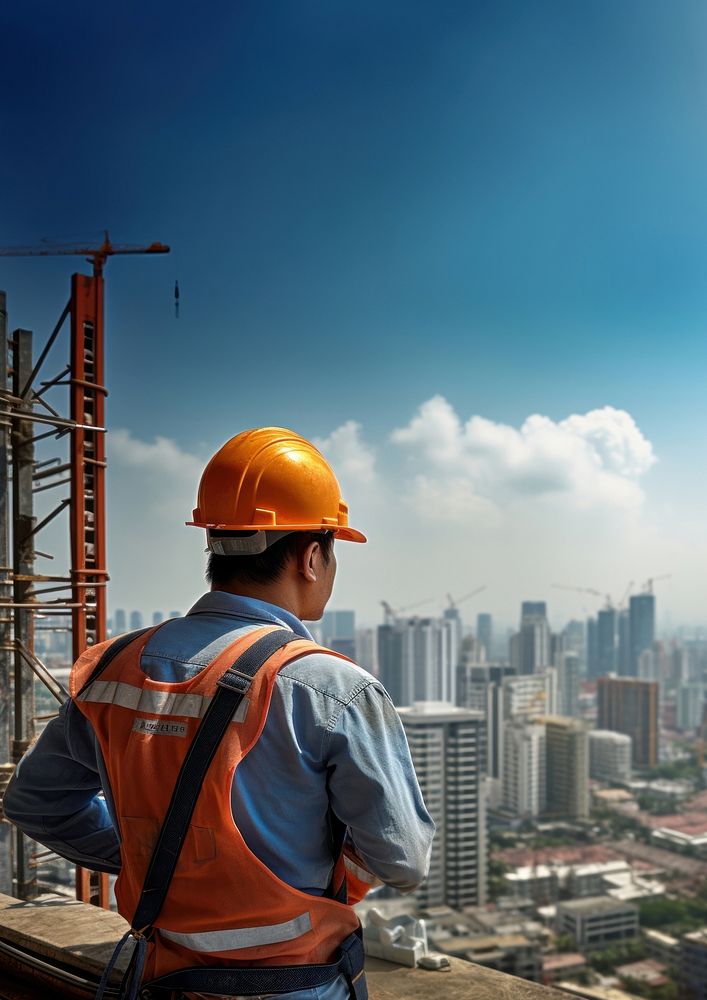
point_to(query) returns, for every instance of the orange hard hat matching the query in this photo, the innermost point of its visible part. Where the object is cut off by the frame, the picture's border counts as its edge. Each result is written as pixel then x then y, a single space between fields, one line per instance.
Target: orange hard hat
pixel 271 479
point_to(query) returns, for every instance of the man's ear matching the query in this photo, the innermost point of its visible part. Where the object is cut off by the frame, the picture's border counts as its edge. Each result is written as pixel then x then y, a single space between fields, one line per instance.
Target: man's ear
pixel 309 562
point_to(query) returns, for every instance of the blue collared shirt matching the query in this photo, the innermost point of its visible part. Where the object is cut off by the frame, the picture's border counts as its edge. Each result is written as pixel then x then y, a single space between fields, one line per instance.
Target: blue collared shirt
pixel 332 740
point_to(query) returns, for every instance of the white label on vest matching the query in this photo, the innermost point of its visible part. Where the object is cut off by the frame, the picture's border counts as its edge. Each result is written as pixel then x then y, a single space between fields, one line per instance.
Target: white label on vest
pixel 157 727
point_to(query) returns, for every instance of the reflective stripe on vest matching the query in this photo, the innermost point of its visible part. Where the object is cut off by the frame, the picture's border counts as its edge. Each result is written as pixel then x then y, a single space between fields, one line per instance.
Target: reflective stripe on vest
pixel 190 706
pixel 360 873
pixel 241 937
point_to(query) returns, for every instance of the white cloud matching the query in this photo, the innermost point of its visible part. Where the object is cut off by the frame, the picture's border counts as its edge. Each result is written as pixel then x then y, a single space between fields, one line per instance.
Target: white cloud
pixel 163 456
pixel 351 458
pixel 587 460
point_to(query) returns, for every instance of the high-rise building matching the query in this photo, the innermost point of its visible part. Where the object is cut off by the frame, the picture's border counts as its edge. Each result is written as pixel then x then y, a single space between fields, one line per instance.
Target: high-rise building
pixel 479 687
pixel 484 634
pixel 568 684
pixel 367 650
pixel 567 773
pixel 531 648
pixel 418 659
pixel 623 658
pixel 606 642
pixel 631 706
pixel 120 622
pixel 592 650
pixel 692 972
pixel 524 767
pixel 338 631
pixel 157 617
pixel 530 695
pixel 573 639
pixel 174 614
pixel 609 756
pixel 135 620
pixel 446 747
pixel 689 706
pixel 641 628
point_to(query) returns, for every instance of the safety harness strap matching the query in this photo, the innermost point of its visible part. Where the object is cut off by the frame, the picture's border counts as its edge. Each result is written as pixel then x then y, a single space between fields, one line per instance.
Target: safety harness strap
pixel 231 688
pixel 268 979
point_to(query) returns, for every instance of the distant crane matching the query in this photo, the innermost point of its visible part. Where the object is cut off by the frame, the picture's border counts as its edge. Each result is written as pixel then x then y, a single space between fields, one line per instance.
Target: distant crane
pixel 648 585
pixel 96 255
pixel 454 603
pixel 391 613
pixel 584 590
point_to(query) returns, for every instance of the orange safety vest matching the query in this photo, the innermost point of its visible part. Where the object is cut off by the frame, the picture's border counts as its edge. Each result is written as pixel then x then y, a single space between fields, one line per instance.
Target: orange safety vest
pixel 224 906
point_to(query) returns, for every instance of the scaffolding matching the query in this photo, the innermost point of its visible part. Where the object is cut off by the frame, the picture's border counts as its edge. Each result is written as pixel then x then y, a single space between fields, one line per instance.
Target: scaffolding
pixel 50 449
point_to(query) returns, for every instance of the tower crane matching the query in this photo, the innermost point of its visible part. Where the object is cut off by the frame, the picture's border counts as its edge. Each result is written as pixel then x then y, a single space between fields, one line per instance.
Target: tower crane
pixel 585 590
pixel 454 603
pixel 96 255
pixel 392 613
pixel 648 585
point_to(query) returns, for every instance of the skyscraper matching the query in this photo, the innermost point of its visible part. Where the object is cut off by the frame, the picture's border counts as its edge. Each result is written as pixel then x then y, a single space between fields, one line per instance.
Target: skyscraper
pixel 120 622
pixel 641 628
pixel 592 650
pixel 135 620
pixel 338 631
pixel 484 633
pixel 631 706
pixel 446 747
pixel 417 660
pixel 530 648
pixel 623 659
pixel 157 617
pixel 567 774
pixel 606 642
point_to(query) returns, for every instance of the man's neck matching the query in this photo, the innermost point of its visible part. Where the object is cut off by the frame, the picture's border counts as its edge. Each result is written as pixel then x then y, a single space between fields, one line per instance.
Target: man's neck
pixel 281 597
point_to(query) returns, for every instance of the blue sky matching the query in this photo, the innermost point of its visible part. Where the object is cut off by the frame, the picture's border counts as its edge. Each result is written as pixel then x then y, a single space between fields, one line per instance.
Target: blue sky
pixel 371 205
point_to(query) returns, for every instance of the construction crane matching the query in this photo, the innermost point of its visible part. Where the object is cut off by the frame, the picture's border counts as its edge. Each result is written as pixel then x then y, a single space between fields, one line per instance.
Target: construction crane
pixel 648 585
pixel 584 590
pixel 454 603
pixel 96 255
pixel 622 603
pixel 392 613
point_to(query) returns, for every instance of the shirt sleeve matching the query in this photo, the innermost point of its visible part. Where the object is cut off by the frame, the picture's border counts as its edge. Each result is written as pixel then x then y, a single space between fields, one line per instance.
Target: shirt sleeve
pixel 55 795
pixel 373 789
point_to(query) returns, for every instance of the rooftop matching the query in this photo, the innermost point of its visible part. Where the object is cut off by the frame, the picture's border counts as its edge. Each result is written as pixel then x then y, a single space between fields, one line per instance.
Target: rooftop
pixel 594 904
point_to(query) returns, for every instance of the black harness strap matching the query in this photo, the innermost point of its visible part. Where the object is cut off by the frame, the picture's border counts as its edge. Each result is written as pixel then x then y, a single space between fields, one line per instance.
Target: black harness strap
pixel 269 979
pixel 231 688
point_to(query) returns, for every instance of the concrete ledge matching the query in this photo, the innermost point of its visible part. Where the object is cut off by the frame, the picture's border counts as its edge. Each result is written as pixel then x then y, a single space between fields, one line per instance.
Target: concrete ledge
pixel 79 939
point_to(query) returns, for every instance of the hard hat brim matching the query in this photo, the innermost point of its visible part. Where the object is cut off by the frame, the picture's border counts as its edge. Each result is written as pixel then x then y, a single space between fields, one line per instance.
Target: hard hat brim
pixel 343 534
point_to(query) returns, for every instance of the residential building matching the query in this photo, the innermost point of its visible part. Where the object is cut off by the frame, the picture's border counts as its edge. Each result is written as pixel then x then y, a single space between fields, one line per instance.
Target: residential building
pixel 567 767
pixel 689 706
pixel 446 743
pixel 609 756
pixel 367 650
pixel 479 687
pixel 568 684
pixel 524 767
pixel 693 965
pixel 598 922
pixel 631 707
pixel 641 628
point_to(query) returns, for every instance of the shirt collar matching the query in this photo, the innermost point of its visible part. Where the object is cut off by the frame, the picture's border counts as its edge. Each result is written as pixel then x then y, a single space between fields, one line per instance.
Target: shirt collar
pixel 249 608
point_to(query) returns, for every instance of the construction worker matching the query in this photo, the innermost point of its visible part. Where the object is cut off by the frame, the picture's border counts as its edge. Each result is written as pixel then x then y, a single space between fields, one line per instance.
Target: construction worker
pixel 238 852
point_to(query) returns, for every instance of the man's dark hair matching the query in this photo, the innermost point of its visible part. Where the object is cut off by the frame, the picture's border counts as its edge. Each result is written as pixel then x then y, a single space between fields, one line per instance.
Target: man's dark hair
pixel 267 566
